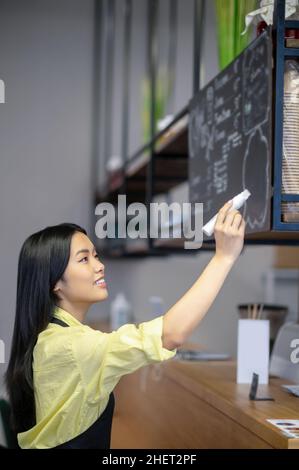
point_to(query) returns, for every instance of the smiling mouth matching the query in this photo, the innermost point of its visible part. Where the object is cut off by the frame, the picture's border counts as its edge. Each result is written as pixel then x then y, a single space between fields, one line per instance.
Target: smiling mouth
pixel 100 283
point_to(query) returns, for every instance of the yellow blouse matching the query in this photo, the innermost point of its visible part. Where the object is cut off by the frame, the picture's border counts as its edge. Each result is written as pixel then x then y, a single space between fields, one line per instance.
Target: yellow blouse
pixel 76 368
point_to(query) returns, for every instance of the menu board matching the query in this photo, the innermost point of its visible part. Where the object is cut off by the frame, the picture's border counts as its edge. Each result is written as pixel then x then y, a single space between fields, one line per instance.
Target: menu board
pixel 230 133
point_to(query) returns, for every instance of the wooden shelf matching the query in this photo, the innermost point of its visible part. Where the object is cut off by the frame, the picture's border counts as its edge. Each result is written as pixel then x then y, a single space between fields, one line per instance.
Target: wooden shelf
pixel 266 238
pixel 164 247
pixel 175 140
pixel 170 163
pixel 274 238
pixel 136 165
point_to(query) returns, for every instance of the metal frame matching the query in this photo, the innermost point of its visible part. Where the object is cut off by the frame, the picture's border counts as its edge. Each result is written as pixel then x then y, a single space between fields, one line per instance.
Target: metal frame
pixel 109 44
pixel 199 14
pixel 156 137
pixel 199 8
pixel 126 76
pixel 281 54
pixel 152 68
pixel 127 12
pixel 172 50
pixel 97 57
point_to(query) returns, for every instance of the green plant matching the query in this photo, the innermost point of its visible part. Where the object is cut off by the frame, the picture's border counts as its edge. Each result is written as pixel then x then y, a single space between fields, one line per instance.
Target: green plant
pixel 163 90
pixel 230 16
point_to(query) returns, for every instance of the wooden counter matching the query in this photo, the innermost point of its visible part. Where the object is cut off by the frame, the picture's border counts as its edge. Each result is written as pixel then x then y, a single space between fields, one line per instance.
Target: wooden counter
pixel 178 404
pixel 197 405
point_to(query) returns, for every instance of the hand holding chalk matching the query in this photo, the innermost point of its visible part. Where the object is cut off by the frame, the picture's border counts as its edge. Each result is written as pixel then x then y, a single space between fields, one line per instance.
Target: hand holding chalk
pixel 237 202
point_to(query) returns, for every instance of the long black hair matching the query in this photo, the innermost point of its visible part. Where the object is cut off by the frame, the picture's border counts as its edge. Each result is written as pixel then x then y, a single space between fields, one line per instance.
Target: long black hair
pixel 42 261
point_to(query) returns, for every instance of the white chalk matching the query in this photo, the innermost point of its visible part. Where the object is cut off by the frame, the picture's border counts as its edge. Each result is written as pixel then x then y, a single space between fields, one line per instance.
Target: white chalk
pixel 238 202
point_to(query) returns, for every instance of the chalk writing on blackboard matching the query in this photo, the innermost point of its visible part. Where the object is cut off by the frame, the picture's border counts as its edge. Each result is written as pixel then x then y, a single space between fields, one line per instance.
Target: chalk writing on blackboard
pixel 230 136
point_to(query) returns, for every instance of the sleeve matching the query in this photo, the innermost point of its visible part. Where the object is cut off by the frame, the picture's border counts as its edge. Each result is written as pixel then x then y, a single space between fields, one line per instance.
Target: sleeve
pixel 105 357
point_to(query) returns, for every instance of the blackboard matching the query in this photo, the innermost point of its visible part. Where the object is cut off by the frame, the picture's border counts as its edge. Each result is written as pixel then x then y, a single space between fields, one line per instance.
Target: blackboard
pixel 230 133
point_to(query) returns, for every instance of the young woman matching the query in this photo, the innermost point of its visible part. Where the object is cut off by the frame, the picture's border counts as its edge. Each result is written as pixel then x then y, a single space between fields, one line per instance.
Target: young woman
pixel 61 373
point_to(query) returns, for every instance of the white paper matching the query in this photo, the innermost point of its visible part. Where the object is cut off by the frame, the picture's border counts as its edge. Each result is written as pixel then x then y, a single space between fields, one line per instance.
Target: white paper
pixel 290 427
pixel 253 351
pixel 266 12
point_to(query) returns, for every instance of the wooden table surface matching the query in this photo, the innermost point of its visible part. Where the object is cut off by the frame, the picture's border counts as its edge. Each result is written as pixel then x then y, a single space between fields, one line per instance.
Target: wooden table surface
pixel 215 383
pixel 195 404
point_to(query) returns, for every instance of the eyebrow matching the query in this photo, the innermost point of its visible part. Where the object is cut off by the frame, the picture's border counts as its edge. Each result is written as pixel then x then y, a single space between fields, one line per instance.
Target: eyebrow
pixel 84 250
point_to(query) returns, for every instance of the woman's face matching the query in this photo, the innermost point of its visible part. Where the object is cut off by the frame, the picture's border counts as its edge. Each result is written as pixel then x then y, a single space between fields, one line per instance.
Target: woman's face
pixel 80 281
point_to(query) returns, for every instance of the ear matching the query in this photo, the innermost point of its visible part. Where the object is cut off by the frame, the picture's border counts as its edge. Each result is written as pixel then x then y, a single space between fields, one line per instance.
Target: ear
pixel 57 287
pixel 57 294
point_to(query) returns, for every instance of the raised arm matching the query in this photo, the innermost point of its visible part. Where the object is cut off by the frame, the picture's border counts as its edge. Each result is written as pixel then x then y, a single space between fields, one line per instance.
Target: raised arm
pixel 181 319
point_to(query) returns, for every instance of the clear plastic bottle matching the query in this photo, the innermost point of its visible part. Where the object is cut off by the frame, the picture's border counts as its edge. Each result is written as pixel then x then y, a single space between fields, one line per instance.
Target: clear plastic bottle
pixel 120 312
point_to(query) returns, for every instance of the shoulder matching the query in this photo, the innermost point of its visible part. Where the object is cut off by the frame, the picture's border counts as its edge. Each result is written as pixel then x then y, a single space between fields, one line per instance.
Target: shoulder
pixel 57 345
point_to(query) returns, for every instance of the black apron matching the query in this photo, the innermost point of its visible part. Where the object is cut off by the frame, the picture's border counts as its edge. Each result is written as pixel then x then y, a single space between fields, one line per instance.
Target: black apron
pixel 98 435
